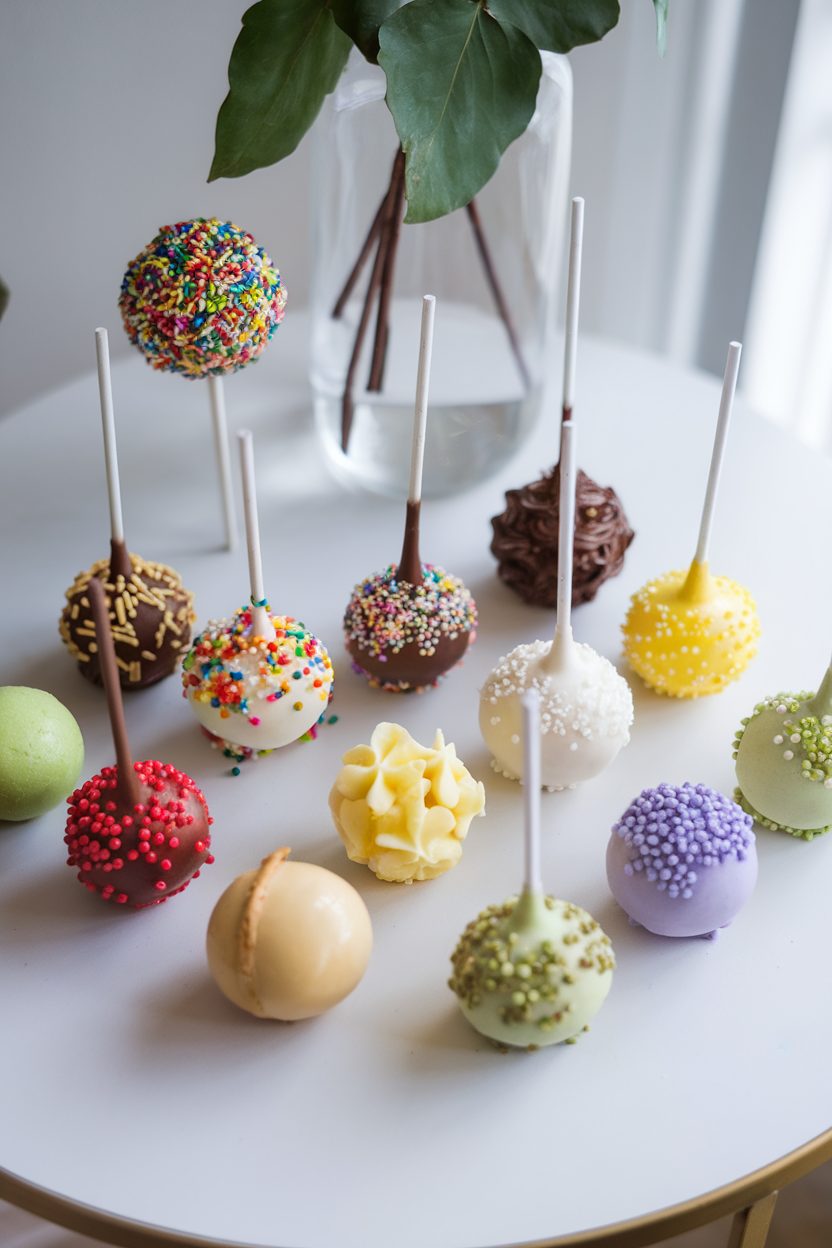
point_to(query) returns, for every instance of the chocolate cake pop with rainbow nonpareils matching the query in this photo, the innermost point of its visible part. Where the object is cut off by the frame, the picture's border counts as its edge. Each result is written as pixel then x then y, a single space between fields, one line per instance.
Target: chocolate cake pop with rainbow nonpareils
pixel 407 626
pixel 202 300
pixel 151 612
pixel 783 752
pixel 257 681
pixel 535 970
pixel 525 542
pixel 586 705
pixel 137 833
pixel 691 633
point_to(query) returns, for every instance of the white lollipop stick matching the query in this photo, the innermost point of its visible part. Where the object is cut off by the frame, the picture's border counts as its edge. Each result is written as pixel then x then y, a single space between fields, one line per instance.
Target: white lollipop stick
pixel 261 624
pixel 410 565
pixel 726 403
pixel 573 299
pixel 217 393
pixel 420 415
pixel 566 527
pixel 105 390
pixel 533 882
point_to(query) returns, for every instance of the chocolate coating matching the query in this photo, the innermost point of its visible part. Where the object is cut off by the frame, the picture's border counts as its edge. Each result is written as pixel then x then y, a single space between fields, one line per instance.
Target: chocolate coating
pixel 407 668
pixel 151 618
pixel 139 853
pixel 525 541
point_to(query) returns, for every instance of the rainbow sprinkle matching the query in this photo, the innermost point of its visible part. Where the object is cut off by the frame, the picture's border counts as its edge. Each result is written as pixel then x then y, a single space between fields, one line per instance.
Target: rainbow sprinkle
pixel 201 298
pixel 233 670
pixel 386 615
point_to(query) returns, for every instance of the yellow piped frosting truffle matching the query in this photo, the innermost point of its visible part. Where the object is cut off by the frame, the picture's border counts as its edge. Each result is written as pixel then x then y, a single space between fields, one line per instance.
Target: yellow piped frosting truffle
pixel 688 634
pixel 404 809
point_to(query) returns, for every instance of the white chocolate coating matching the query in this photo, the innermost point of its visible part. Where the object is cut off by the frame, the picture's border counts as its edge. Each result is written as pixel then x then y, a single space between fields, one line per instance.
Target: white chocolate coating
pixel 586 709
pixel 289 940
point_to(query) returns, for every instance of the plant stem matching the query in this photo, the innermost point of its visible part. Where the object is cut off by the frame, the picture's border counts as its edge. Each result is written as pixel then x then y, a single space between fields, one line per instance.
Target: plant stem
pixel 496 291
pixel 394 229
pixel 347 407
pixel 371 238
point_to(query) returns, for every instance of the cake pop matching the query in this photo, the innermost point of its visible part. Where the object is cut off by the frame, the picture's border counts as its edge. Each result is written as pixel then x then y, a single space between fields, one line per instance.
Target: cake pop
pixel 403 809
pixel 257 681
pixel 289 940
pixel 784 762
pixel 587 707
pixel 41 752
pixel 525 542
pixel 690 633
pixel 407 626
pixel 137 832
pixel 682 860
pixel 203 300
pixel 151 612
pixel 534 970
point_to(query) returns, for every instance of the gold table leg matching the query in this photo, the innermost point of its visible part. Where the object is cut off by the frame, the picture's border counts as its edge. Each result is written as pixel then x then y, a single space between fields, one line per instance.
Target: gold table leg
pixel 750 1226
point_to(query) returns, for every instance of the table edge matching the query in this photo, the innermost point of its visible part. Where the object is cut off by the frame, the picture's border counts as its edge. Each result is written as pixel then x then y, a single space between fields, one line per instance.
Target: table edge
pixel 634 1233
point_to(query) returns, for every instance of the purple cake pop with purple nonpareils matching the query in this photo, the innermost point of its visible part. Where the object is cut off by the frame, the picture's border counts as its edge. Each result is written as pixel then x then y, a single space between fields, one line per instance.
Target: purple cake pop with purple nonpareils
pixel 682 860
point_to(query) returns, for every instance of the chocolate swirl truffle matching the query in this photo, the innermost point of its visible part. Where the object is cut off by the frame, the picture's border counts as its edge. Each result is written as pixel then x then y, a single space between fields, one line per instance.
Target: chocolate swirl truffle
pixel 151 614
pixel 525 540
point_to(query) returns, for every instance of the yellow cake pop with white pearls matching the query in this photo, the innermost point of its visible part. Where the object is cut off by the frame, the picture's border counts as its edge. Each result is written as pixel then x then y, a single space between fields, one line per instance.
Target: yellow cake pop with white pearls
pixel 691 633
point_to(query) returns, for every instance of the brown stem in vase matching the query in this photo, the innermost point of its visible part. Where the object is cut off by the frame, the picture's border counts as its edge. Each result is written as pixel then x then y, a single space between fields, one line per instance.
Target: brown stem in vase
pixel 120 564
pixel 410 564
pixel 347 407
pixel 349 285
pixel 387 276
pixel 128 781
pixel 496 290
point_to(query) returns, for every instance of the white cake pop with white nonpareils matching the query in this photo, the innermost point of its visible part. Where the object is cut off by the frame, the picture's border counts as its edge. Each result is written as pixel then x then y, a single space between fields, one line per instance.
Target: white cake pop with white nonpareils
pixel 586 707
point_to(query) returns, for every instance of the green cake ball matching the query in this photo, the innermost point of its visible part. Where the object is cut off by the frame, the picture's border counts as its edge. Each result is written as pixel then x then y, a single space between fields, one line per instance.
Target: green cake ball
pixel 41 752
pixel 532 972
pixel 784 762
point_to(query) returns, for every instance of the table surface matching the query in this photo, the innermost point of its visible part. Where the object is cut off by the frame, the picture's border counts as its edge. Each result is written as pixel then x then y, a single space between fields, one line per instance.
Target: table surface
pixel 130 1084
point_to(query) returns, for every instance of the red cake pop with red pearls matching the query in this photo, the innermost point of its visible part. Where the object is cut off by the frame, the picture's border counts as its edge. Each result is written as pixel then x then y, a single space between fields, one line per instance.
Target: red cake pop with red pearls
pixel 138 832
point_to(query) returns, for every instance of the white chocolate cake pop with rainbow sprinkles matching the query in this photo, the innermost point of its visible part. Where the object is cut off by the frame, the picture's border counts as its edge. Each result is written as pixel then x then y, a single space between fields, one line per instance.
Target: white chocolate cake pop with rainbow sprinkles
pixel 783 752
pixel 533 971
pixel 258 681
pixel 586 705
pixel 691 633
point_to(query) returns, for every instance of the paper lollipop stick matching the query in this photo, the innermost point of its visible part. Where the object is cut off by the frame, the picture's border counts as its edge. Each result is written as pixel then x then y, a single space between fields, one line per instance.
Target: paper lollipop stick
pixel 127 781
pixel 119 558
pixel 217 392
pixel 573 300
pixel 410 566
pixel 261 623
pixel 562 643
pixel 532 882
pixel 726 403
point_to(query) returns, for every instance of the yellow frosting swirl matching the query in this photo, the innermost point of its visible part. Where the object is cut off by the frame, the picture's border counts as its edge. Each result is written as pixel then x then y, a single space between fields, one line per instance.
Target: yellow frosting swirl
pixel 402 808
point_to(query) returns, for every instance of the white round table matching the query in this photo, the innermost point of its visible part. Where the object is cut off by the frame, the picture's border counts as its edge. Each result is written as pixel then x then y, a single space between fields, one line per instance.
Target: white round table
pixel 133 1090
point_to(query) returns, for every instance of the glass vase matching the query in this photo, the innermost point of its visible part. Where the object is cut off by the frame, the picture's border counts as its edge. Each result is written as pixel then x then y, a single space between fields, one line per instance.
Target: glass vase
pixel 493 268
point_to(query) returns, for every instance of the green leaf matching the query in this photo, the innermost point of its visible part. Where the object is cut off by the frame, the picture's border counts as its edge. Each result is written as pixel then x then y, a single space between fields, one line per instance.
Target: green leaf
pixel 661 26
pixel 287 58
pixel 461 86
pixel 559 25
pixel 360 19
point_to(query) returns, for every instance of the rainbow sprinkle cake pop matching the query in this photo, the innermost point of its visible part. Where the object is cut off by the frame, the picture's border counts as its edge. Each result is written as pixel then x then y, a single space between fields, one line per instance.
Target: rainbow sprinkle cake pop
pixel 203 300
pixel 689 633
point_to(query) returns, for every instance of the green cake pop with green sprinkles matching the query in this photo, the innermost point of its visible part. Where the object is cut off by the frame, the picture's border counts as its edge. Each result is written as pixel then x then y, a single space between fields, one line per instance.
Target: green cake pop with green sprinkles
pixel 535 970
pixel 783 752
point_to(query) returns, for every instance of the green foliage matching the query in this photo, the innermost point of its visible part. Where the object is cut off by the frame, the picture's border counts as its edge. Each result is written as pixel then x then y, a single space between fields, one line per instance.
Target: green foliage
pixel 287 58
pixel 360 19
pixel 461 80
pixel 661 26
pixel 559 25
pixel 473 95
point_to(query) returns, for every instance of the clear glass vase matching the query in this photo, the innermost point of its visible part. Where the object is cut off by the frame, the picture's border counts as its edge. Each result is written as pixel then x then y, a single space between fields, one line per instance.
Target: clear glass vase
pixel 487 369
